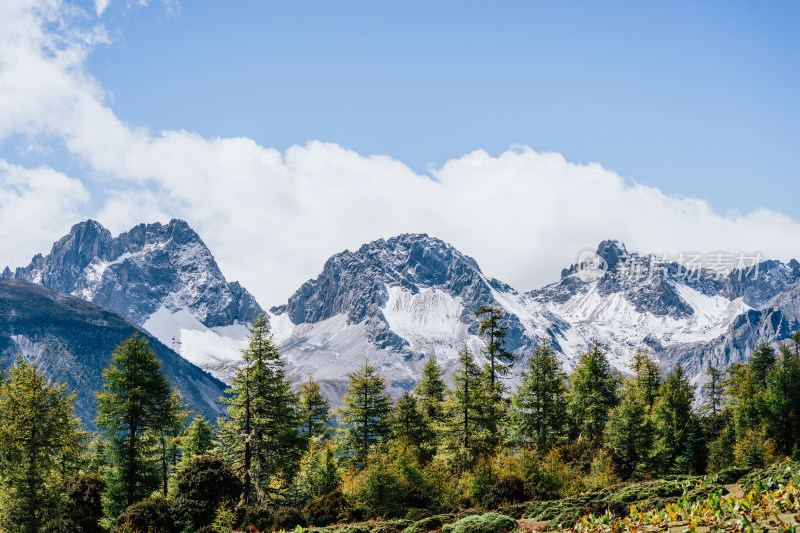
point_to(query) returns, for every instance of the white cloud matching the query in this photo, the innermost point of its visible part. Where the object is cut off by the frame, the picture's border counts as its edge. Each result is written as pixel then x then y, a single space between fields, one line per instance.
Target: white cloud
pixel 272 218
pixel 101 6
pixel 36 207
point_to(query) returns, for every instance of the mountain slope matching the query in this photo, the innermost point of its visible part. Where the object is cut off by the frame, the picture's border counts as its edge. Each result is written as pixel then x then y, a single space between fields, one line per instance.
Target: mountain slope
pixel 400 300
pixel 72 341
pixel 396 302
pixel 163 277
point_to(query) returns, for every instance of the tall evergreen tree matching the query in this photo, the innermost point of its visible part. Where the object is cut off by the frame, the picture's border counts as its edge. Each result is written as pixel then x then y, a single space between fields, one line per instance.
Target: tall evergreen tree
pixel 499 363
pixel 466 405
pixel 593 393
pixel 409 425
pixel 714 389
pixel 366 413
pixel 694 458
pixel 748 387
pixel 431 390
pixel 198 439
pixel 646 378
pixel 171 427
pixel 539 413
pixel 499 359
pixel 314 411
pixel 37 428
pixel 762 361
pixel 671 416
pixel 630 432
pixel 260 431
pixel 132 409
pixel 782 423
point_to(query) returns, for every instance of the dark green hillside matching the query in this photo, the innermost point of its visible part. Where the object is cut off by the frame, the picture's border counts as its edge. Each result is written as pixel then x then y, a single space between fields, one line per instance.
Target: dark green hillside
pixel 72 340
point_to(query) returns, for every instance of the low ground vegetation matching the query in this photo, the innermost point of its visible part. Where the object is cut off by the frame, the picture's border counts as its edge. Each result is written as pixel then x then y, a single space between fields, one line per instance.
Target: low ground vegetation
pixel 593 449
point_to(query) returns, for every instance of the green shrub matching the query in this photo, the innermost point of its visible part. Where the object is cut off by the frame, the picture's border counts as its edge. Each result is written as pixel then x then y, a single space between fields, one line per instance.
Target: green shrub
pixel 426 524
pixel 616 509
pixel 61 525
pixel 85 502
pixel 288 518
pixel 388 489
pixel 354 528
pixel 508 489
pixel 392 526
pixel 486 523
pixel 447 508
pixel 781 473
pixel 332 508
pixel 258 517
pixel 647 495
pixel 731 475
pixel 153 515
pixel 417 513
pixel 202 487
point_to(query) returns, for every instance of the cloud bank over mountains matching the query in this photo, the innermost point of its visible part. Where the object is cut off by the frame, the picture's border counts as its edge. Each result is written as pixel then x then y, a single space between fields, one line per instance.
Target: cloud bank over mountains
pixel 272 218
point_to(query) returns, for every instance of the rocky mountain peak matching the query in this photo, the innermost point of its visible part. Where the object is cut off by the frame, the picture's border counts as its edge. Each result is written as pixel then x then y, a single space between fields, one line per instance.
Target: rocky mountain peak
pixel 612 251
pixel 148 267
pixel 355 282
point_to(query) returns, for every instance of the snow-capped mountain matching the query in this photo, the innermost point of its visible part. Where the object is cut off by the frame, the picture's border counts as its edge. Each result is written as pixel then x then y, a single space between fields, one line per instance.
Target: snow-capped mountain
pixel 400 300
pixel 162 277
pixel 395 302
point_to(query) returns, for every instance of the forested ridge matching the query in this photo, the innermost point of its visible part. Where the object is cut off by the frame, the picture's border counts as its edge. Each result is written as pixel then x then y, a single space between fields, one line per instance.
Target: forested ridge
pixel 460 453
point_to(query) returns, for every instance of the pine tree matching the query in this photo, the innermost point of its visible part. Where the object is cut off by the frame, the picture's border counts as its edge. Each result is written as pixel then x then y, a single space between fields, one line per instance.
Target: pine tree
pixel 466 405
pixel 748 387
pixel 432 391
pixel 132 409
pixel 714 389
pixel 539 412
pixel 671 416
pixel 198 439
pixel 314 411
pixel 366 413
pixel 646 378
pixel 694 458
pixel 408 423
pixel 782 423
pixel 318 473
pixel 500 360
pixel 630 432
pixel 260 431
pixel 761 362
pixel 593 393
pixel 171 427
pixel 37 428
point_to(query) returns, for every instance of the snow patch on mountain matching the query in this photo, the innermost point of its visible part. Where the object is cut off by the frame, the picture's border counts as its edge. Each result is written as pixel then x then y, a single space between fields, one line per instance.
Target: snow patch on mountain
pixel 429 320
pixel 331 349
pixel 217 350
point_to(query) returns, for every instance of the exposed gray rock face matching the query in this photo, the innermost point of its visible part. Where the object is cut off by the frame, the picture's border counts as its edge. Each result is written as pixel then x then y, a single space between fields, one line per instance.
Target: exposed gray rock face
pixel 698 316
pixel 355 284
pixel 774 322
pixel 150 266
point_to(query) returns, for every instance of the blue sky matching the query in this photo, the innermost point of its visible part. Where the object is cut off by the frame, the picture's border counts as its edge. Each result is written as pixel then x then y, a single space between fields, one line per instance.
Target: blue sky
pixel 304 128
pixel 696 98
